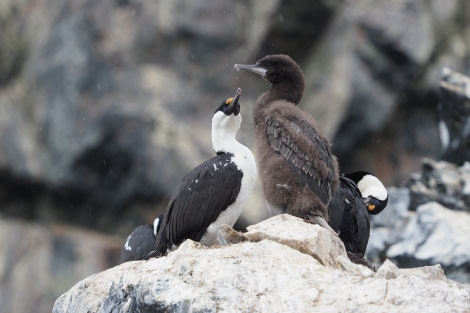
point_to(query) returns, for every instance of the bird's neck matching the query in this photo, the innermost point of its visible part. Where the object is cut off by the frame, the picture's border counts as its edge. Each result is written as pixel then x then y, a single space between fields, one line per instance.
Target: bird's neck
pixel 263 105
pixel 225 140
pixel 291 91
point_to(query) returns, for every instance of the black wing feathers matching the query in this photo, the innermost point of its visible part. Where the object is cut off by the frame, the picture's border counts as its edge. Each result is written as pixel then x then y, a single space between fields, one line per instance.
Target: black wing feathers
pixel 350 185
pixel 198 200
pixel 141 242
pixel 354 227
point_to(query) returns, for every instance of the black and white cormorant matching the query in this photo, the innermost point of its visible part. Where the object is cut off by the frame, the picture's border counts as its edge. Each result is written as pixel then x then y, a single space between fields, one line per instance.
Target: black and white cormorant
pixel 296 167
pixel 140 242
pixel 373 191
pixel 213 193
pixel 359 194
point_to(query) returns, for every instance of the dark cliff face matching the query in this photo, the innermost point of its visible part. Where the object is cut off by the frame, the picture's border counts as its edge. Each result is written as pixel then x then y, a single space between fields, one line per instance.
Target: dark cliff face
pixel 105 111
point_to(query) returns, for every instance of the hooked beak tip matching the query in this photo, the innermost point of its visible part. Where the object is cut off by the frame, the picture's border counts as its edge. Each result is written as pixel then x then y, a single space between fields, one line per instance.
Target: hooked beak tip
pixel 237 96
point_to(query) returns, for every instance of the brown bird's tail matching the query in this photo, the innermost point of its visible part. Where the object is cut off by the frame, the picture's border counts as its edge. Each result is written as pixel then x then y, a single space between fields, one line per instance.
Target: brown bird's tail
pixel 319 220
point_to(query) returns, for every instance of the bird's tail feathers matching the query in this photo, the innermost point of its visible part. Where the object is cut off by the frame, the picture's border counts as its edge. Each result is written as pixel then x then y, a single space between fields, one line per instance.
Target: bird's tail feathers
pixel 160 247
pixel 221 238
pixel 317 219
pixel 153 254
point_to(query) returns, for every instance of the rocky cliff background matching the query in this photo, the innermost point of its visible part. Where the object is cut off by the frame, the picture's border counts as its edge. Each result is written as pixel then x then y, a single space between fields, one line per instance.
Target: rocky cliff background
pixel 104 105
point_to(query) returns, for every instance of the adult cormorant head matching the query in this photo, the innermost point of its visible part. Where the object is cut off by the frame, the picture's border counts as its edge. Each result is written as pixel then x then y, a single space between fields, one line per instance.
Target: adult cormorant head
pixel 230 106
pixel 226 123
pixel 372 190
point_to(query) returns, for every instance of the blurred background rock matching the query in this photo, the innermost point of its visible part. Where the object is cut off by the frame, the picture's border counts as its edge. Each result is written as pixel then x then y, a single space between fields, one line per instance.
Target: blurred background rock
pixel 105 105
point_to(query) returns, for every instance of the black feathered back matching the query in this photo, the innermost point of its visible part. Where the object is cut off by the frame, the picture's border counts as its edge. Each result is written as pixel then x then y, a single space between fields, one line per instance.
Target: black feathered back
pixel 198 200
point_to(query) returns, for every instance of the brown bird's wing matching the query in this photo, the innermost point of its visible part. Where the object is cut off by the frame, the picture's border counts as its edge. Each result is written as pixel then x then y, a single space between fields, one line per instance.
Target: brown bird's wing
pixel 306 151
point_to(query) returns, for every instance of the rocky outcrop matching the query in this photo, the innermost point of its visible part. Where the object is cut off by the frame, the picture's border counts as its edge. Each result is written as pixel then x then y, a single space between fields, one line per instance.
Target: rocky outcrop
pixel 454 114
pixel 442 182
pixel 434 235
pixel 379 77
pixel 277 272
pixel 426 222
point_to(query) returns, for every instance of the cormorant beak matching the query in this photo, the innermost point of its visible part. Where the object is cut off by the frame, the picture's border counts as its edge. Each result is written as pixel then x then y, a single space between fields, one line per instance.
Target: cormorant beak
pixel 375 206
pixel 233 105
pixel 255 68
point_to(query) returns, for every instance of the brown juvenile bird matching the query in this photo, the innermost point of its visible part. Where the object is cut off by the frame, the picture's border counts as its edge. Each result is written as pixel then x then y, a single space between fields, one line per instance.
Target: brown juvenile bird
pixel 297 170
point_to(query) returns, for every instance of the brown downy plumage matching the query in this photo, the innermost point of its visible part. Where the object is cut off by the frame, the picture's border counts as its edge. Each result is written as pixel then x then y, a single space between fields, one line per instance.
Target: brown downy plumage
pixel 297 170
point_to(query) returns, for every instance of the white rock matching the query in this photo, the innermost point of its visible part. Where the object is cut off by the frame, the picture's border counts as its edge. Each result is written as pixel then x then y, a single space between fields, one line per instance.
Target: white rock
pixel 262 276
pixel 435 235
pixel 307 238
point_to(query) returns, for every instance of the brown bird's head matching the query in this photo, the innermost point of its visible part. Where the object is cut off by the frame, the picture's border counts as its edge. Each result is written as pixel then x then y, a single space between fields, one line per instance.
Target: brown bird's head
pixel 281 71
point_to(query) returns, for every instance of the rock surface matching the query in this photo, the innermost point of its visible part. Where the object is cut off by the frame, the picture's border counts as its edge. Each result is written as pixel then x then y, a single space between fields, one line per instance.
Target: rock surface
pixel 454 114
pixel 427 222
pixel 443 182
pixel 323 247
pixel 272 274
pixel 381 111
pixel 41 262
pixel 434 235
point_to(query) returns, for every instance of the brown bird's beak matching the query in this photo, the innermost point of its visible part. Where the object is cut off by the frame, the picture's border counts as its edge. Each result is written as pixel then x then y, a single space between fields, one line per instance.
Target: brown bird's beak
pixel 255 68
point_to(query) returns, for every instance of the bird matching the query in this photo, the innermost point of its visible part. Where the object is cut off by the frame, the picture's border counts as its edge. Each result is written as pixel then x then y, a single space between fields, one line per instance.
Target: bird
pixel 297 169
pixel 373 191
pixel 359 194
pixel 140 241
pixel 214 192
